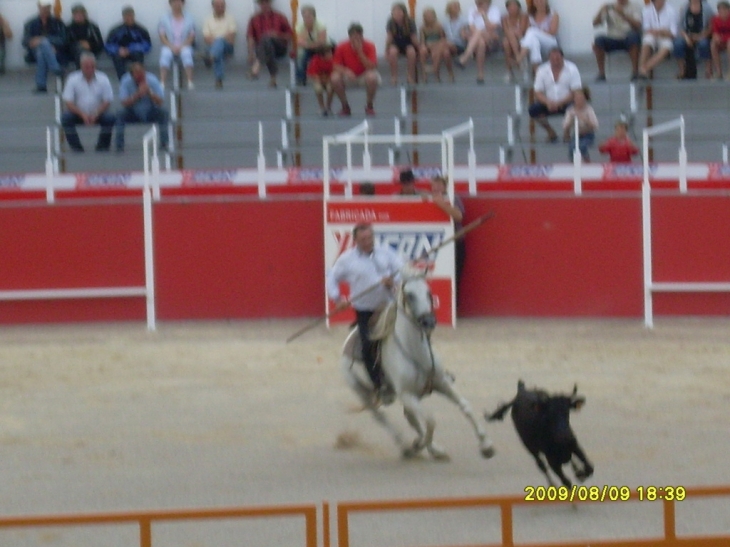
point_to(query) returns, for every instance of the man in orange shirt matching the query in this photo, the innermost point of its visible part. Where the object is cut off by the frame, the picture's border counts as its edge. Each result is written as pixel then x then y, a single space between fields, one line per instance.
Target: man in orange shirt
pixel 355 63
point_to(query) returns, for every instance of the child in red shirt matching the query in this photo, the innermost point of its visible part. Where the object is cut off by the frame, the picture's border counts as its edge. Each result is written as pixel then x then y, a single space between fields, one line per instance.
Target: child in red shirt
pixel 319 71
pixel 619 147
pixel 720 25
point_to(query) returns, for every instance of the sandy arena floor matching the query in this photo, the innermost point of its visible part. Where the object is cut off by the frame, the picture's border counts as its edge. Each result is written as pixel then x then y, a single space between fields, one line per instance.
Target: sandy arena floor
pixel 111 417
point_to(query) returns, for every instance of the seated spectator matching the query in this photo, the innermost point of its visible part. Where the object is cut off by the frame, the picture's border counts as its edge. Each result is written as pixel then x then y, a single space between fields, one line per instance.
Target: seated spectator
pixel 177 34
pixel 659 22
pixel 407 181
pixel 456 28
pixel 367 189
pixel 619 147
pixel 269 34
pixel 87 96
pixel 355 63
pixel 401 39
pixel 484 23
pixel 83 35
pixel 434 45
pixel 311 36
pixel 541 33
pixel 721 37
pixel 581 110
pixel 320 71
pixel 555 83
pixel 623 33
pixel 693 39
pixel 44 38
pixel 219 33
pixel 514 26
pixel 127 43
pixel 6 33
pixel 141 95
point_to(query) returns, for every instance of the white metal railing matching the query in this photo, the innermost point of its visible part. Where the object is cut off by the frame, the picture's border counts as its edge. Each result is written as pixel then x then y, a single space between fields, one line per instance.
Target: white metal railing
pixel 447 155
pixel 577 160
pixel 261 164
pixel 724 153
pixel 650 286
pixel 151 161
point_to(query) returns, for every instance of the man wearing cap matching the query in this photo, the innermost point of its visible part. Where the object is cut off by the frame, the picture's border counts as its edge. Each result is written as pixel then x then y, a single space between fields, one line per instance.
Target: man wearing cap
pixel 555 82
pixel 268 37
pixel 371 273
pixel 127 43
pixel 45 39
pixel 87 96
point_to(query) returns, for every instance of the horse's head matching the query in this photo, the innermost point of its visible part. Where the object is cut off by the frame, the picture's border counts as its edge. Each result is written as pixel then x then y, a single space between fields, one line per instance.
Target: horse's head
pixel 418 301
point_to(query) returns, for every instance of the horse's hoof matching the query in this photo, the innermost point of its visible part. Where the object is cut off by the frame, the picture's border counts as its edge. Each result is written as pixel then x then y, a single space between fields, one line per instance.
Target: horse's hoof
pixel 438 454
pixel 487 451
pixel 410 453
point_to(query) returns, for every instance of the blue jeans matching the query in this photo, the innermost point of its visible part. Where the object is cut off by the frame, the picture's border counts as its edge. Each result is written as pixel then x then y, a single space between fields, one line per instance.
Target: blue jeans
pixel 141 113
pixel 69 121
pixel 46 60
pixel 303 58
pixel 584 143
pixel 219 50
pixel 702 48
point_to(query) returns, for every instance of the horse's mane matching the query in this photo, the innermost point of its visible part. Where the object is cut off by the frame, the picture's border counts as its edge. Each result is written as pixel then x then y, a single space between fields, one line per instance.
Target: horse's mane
pixel 385 324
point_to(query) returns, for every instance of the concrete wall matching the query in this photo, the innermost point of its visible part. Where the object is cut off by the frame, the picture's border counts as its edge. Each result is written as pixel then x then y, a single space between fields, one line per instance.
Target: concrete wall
pixel 576 31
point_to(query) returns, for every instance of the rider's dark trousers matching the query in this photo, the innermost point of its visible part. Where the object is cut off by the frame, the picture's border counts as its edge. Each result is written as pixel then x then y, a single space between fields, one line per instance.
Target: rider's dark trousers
pixel 368 347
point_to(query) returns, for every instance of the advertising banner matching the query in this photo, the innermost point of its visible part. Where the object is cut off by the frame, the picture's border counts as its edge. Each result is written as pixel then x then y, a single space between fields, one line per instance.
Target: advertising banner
pixel 410 226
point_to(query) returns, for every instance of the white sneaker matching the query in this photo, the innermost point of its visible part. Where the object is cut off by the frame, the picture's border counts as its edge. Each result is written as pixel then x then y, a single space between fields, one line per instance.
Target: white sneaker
pixel 191 86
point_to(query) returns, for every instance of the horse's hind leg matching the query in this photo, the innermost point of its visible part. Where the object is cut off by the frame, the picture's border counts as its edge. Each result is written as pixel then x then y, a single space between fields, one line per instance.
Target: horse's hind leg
pixel 446 388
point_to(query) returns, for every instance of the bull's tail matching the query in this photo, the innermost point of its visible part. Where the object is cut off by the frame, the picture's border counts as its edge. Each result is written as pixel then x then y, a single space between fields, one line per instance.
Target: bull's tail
pixel 499 413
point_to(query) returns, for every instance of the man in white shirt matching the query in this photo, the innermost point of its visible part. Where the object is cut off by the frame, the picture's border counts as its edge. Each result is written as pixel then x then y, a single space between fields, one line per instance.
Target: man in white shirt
pixel 623 33
pixel 555 82
pixel 659 21
pixel 371 273
pixel 219 33
pixel 484 23
pixel 87 96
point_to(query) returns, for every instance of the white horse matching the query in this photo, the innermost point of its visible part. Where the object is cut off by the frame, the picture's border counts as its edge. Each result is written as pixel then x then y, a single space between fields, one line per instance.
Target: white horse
pixel 410 366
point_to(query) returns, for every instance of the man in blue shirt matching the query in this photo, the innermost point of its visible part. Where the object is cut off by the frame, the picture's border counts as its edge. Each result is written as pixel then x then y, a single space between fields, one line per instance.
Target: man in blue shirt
pixel 127 43
pixel 141 95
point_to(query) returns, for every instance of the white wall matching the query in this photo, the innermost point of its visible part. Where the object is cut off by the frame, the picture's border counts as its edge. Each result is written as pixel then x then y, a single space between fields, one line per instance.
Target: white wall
pixel 576 31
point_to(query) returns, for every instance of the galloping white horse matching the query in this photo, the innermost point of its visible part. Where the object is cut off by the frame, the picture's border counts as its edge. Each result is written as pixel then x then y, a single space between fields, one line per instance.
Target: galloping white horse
pixel 410 366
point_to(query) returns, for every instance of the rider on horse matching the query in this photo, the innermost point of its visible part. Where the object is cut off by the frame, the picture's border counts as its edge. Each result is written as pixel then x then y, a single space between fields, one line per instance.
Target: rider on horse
pixel 371 273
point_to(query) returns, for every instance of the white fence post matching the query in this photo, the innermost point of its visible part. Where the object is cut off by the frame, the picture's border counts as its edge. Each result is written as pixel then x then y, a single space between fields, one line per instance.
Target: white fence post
pixel 261 163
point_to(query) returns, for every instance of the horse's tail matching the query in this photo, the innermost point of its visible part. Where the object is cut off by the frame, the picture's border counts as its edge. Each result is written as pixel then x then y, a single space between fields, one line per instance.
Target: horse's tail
pixel 499 413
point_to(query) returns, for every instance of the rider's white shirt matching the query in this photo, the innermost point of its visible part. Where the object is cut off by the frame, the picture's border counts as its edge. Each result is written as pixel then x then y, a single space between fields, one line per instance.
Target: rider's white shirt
pixel 361 271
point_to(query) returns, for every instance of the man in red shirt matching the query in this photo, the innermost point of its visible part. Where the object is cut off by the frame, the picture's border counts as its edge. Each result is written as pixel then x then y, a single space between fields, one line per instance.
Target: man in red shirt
pixel 619 147
pixel 268 36
pixel 355 63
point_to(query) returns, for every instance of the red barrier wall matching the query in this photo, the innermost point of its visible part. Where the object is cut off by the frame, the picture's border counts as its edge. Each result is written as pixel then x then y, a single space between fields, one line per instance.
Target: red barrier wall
pixel 544 254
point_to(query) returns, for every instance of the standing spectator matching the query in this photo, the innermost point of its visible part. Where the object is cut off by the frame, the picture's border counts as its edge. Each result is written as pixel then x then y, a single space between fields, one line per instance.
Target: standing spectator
pixel 541 33
pixel 693 39
pixel 434 45
pixel 311 36
pixel 401 39
pixel 581 110
pixel 269 34
pixel 320 71
pixel 555 83
pixel 623 33
pixel 721 37
pixel 456 28
pixel 440 198
pixel 484 23
pixel 659 21
pixel 83 35
pixel 177 34
pixel 6 33
pixel 127 43
pixel 514 26
pixel 45 39
pixel 87 96
pixel 141 95
pixel 619 147
pixel 219 33
pixel 355 64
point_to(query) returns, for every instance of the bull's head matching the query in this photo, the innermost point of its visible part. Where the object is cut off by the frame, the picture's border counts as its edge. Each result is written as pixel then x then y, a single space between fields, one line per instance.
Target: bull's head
pixel 556 410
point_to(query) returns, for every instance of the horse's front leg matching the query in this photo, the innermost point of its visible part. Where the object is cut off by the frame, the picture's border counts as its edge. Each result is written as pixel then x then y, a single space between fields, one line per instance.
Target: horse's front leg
pixel 445 386
pixel 417 417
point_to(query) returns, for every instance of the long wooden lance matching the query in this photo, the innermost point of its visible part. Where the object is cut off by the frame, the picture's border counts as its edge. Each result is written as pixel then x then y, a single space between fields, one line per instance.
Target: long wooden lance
pixel 457 235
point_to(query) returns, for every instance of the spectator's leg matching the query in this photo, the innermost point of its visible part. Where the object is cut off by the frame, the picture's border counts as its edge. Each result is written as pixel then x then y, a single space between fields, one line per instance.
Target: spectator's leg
pixel 392 55
pixel 481 55
pixel 107 120
pixel 423 54
pixel 338 87
pixel 662 53
pixel 218 53
pixel 120 65
pixel 599 51
pixel 539 112
pixel 647 48
pixel 703 50
pixel 69 121
pixel 372 80
pixel 2 55
pixel 165 63
pixel 411 60
pixel 303 58
pixel 266 54
pixel 633 45
pixel 727 51
pixel 124 116
pixel 45 61
pixel 680 50
pixel 160 116
pixel 186 57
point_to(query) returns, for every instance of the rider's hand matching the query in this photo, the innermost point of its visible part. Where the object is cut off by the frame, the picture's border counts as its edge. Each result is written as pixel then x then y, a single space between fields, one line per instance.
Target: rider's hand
pixel 387 281
pixel 341 304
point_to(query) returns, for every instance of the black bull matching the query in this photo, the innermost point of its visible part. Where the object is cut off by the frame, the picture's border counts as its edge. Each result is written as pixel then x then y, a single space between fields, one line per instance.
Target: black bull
pixel 543 423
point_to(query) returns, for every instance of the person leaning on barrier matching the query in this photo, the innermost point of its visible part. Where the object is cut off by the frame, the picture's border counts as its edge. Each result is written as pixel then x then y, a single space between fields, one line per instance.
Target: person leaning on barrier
pixel 371 273
pixel 219 33
pixel 141 95
pixel 44 37
pixel 83 35
pixel 440 198
pixel 127 43
pixel 87 96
